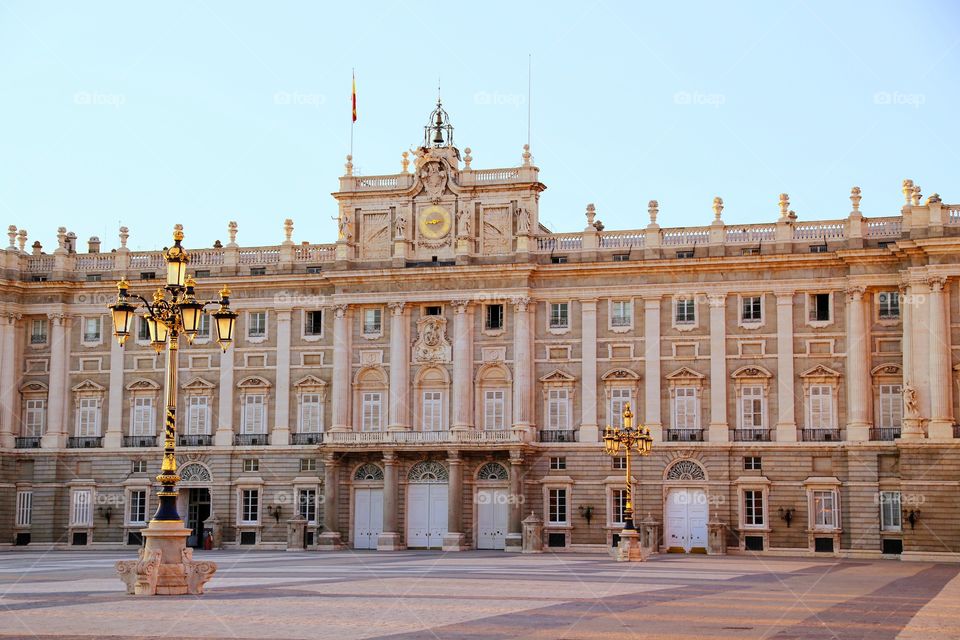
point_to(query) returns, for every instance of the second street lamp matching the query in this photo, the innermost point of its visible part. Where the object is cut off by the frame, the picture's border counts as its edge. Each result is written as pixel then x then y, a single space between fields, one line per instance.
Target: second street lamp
pixel 627 438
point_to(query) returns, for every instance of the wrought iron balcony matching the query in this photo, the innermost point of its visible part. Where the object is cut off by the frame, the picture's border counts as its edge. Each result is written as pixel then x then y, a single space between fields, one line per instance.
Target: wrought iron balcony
pixel 751 435
pixel 139 441
pixel 885 433
pixel 251 439
pixel 684 435
pixel 821 435
pixel 27 442
pixel 558 435
pixel 379 438
pixel 306 438
pixel 84 442
pixel 195 440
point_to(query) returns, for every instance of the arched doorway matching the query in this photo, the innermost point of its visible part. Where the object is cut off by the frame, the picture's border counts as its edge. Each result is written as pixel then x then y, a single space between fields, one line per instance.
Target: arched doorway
pixel 367 506
pixel 493 506
pixel 686 509
pixel 194 503
pixel 427 491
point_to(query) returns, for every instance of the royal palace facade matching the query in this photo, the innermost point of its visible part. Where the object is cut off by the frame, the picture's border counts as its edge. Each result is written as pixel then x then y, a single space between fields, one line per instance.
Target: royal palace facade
pixel 445 370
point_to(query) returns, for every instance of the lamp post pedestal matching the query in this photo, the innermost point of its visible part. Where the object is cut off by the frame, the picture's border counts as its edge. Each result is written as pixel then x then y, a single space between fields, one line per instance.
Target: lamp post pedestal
pixel 166 566
pixel 629 549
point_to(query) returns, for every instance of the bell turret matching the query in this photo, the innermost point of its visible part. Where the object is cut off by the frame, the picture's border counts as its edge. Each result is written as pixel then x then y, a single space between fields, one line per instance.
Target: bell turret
pixel 438 132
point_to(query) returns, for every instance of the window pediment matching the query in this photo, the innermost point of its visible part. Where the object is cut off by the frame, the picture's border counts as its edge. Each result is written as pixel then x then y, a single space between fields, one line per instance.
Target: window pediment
pixel 310 381
pixel 620 375
pixel 88 386
pixel 891 369
pixel 34 387
pixel 253 382
pixel 821 372
pixel 198 384
pixel 143 385
pixel 685 374
pixel 751 372
pixel 558 377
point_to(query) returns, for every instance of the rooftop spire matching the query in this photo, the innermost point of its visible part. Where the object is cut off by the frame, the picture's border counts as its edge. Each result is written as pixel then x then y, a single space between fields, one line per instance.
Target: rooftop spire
pixel 438 131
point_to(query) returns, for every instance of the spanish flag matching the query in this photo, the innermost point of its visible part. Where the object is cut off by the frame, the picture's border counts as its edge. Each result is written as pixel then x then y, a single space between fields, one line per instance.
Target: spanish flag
pixel 354 97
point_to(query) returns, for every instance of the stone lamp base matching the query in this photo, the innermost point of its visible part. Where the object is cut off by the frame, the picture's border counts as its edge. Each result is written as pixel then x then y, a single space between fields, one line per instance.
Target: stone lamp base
pixel 629 549
pixel 166 566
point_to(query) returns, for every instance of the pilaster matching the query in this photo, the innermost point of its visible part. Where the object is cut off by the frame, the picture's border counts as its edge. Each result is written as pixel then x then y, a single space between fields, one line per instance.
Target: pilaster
pixel 786 415
pixel 589 430
pixel 454 539
pixel 9 378
pixel 462 366
pixel 941 403
pixel 281 425
pixel 55 437
pixel 651 365
pixel 113 437
pixel 341 369
pixel 399 367
pixel 719 430
pixel 858 370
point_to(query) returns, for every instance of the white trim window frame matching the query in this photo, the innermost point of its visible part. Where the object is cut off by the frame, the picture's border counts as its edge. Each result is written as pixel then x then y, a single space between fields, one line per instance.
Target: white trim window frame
pixel 432 410
pixel 686 408
pixel 494 409
pixel 88 416
pixel 143 417
pixel 888 306
pixel 39 332
pixel 558 409
pixel 558 316
pixel 891 518
pixel 307 504
pixel 248 507
pixel 812 309
pixel 891 406
pixel 820 407
pixel 620 315
pixel 371 319
pixel 684 316
pixel 92 331
pixel 310 412
pixel 81 507
pixel 254 414
pixel 616 506
pixel 198 415
pixel 309 331
pixel 753 508
pixel 752 412
pixel 824 509
pixel 34 417
pixel 558 506
pixel 24 508
pixel 751 310
pixel 371 403
pixel 137 501
pixel 257 322
pixel 619 398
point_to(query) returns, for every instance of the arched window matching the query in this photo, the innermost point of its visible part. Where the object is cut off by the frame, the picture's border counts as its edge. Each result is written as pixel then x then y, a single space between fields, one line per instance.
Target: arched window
pixel 493 471
pixel 432 393
pixel 686 470
pixel 493 406
pixel 428 472
pixel 368 472
pixel 194 472
pixel 370 399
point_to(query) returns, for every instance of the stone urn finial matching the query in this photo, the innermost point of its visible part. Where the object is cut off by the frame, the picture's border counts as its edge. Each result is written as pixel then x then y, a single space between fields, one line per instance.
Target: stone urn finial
pixel 467 159
pixel 934 197
pixel 915 196
pixel 717 208
pixel 526 155
pixel 124 236
pixel 232 232
pixel 348 167
pixel 907 190
pixel 12 234
pixel 405 162
pixel 288 230
pixel 784 206
pixel 591 214
pixel 855 199
pixel 22 240
pixel 653 208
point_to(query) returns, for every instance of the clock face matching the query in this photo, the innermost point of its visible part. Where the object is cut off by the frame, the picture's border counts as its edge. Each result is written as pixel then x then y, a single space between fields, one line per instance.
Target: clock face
pixel 434 222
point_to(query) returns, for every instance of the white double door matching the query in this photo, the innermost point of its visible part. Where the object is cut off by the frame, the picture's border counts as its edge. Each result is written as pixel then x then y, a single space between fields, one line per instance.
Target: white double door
pixel 492 512
pixel 426 515
pixel 367 517
pixel 687 513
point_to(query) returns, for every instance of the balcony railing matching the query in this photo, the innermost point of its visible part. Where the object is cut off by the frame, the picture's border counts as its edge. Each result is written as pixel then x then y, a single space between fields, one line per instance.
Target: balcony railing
pixel 139 441
pixel 306 438
pixel 84 442
pixel 558 435
pixel 821 435
pixel 885 433
pixel 27 442
pixel 377 438
pixel 751 435
pixel 250 439
pixel 684 435
pixel 203 440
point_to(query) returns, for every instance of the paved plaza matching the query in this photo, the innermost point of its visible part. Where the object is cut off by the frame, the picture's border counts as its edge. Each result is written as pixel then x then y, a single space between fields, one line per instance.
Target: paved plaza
pixel 479 595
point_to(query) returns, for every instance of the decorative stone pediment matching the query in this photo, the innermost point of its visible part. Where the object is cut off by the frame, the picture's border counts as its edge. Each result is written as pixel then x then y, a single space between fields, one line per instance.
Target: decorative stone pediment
pixel 432 344
pixel 88 386
pixel 143 385
pixel 34 387
pixel 198 384
pixel 253 382
pixel 558 377
pixel 685 373
pixel 625 375
pixel 820 371
pixel 888 369
pixel 310 381
pixel 751 371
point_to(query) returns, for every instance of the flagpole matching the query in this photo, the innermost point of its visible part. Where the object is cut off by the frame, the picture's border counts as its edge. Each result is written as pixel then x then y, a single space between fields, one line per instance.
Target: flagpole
pixel 353 106
pixel 529 92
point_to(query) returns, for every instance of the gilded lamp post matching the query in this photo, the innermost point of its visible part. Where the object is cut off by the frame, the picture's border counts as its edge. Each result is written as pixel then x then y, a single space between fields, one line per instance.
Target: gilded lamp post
pixel 174 311
pixel 627 438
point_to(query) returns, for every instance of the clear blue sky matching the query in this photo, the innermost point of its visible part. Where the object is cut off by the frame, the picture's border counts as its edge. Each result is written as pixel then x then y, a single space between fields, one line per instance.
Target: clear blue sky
pixel 205 112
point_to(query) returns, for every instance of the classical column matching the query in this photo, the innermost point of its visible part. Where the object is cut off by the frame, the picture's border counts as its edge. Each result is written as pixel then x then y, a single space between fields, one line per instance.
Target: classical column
pixel 651 365
pixel 224 433
pixel 786 417
pixel 341 369
pixel 454 538
pixel 858 369
pixel 912 427
pixel 514 538
pixel 941 403
pixel 589 429
pixel 389 539
pixel 399 367
pixel 522 366
pixel 462 366
pixel 9 381
pixel 113 437
pixel 281 424
pixel 719 429
pixel 330 540
pixel 57 396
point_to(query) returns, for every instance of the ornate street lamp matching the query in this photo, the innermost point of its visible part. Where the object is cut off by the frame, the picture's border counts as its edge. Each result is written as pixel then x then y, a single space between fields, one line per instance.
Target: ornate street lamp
pixel 628 438
pixel 173 311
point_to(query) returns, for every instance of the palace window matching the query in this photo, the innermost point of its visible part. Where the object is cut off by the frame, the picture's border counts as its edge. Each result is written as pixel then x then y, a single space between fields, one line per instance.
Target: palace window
pixel 38 331
pixel 818 307
pixel 203 328
pixel 432 411
pixel 559 315
pixel 313 323
pixel 251 464
pixel 751 309
pixel 493 317
pixel 888 305
pixel 257 324
pixel 557 509
pixel 619 463
pixel 752 463
pixel 372 411
pixel 685 408
pixel 618 507
pixel 138 466
pixel 91 330
pixel 558 409
pixel 753 508
pixel 308 464
pixel 890 515
pixel 34 417
pixel 751 407
pixel 372 321
pixel 891 405
pixel 825 511
pixel 143 330
pixel 138 507
pixel 433 310
pixel 24 508
pixel 249 506
pixel 254 419
pixel 621 313
pixel 820 407
pixel 619 398
pixel 88 417
pixel 311 413
pixel 685 311
pixel 142 416
pixel 493 409
pixel 198 415
pixel 558 464
pixel 81 511
pixel 307 505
